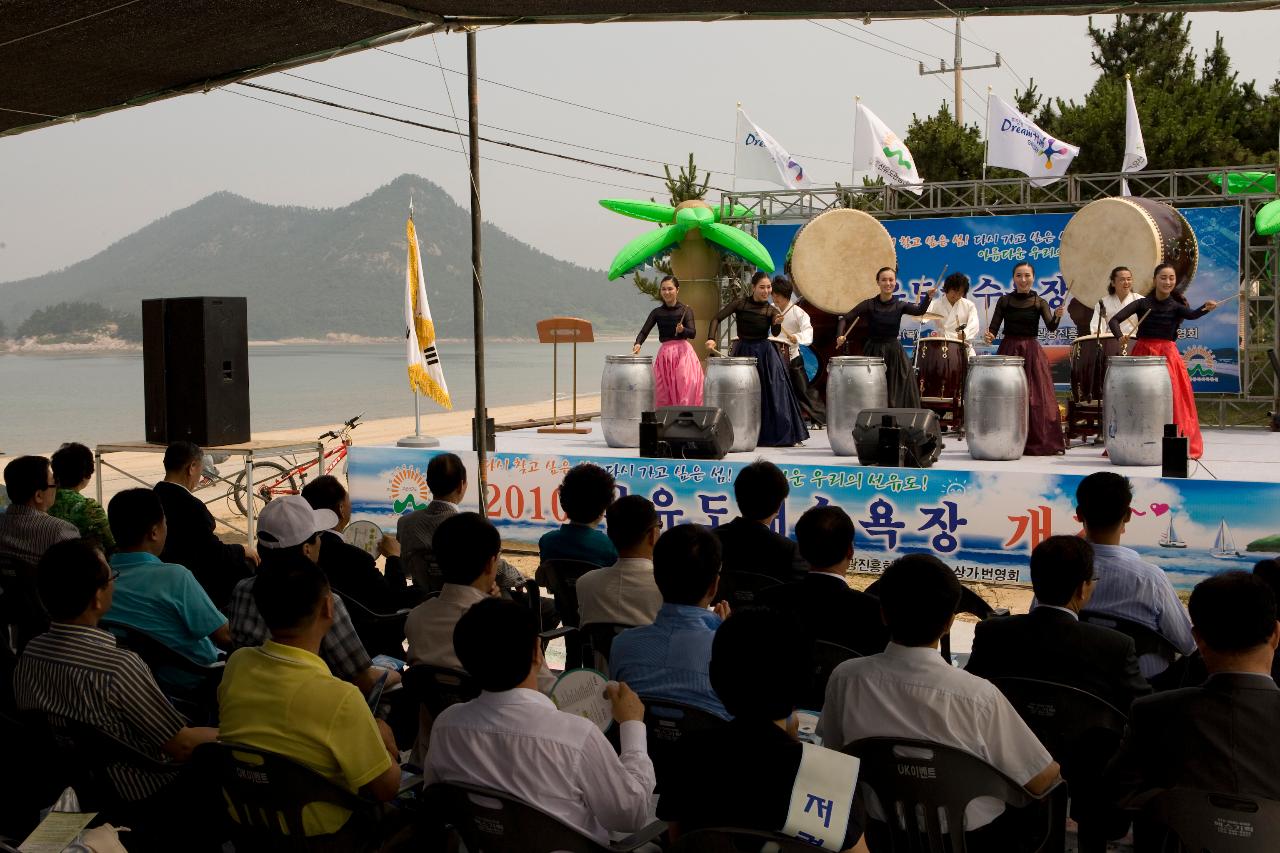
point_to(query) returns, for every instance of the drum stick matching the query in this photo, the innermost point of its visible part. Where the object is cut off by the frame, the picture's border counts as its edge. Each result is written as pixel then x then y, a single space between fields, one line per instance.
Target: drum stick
pixel 1125 349
pixel 1235 295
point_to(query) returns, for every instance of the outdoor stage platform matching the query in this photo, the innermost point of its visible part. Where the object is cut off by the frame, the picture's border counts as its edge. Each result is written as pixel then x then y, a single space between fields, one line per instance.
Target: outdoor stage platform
pixel 983 518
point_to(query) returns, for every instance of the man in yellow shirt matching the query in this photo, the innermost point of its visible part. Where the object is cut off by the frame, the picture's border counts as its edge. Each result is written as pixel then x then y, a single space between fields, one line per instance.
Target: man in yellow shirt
pixel 281 697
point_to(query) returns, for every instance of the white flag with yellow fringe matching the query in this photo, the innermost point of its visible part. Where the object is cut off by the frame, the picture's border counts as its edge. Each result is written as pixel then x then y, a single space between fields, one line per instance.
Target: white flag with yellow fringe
pixel 426 376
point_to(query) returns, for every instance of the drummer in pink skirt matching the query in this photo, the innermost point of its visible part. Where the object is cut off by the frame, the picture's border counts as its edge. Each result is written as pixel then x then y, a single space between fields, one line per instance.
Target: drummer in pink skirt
pixel 677 373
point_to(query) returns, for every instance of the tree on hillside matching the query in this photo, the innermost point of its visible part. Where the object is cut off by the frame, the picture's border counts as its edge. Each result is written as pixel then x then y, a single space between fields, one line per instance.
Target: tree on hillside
pixel 78 318
pixel 944 151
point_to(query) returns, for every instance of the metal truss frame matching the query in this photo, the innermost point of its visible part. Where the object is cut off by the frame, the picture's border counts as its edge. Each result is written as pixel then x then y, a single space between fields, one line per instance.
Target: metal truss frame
pixel 1259 305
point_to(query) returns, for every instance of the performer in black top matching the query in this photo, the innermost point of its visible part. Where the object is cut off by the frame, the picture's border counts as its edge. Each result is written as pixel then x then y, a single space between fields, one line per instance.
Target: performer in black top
pixel 677 372
pixel 781 423
pixel 1021 312
pixel 1161 314
pixel 882 317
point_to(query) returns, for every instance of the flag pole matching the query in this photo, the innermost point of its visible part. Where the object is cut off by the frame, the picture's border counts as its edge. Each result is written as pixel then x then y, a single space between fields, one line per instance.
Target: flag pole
pixel 736 144
pixel 857 99
pixel 1124 158
pixel 986 136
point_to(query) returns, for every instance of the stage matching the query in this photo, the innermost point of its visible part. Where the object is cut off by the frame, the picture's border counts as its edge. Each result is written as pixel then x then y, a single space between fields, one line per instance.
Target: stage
pixel 982 517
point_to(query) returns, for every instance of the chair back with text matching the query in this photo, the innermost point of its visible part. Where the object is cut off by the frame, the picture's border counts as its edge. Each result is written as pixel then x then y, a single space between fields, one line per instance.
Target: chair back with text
pixel 1068 721
pixel 494 822
pixel 598 642
pixel 1208 822
pixel 668 723
pixel 919 783
pixel 743 589
pixel 22 613
pixel 728 839
pixel 1146 640
pixel 560 577
pixel 379 633
pixel 438 687
pixel 823 660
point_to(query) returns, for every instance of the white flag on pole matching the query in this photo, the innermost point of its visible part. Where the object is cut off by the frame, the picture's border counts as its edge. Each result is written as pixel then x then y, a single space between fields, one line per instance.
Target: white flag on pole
pixel 426 375
pixel 1015 142
pixel 881 151
pixel 1135 150
pixel 761 158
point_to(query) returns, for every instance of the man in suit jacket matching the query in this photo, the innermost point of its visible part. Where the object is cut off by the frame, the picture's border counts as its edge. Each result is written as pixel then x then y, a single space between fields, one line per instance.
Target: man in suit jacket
pixel 1215 736
pixel 823 602
pixel 748 543
pixel 192 543
pixel 1051 643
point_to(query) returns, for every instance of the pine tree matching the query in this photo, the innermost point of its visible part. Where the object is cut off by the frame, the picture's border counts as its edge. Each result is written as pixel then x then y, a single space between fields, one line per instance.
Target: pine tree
pixel 944 151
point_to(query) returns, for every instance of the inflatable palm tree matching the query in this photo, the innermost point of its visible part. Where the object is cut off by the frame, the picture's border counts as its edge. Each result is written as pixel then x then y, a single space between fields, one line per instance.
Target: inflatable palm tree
pixel 691 223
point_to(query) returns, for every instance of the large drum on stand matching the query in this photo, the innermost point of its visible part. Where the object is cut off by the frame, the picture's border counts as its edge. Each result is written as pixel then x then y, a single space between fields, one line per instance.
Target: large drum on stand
pixel 733 385
pixel 1138 402
pixel 626 390
pixel 942 364
pixel 996 416
pixel 1090 355
pixel 1137 233
pixel 854 383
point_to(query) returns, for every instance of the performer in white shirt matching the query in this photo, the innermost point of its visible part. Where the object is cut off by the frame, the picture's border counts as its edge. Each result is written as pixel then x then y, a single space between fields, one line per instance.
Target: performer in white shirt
pixel 1119 294
pixel 959 314
pixel 797 329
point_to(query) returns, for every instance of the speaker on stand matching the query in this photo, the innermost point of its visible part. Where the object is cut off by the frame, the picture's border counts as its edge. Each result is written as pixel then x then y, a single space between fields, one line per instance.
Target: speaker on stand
pixel 910 438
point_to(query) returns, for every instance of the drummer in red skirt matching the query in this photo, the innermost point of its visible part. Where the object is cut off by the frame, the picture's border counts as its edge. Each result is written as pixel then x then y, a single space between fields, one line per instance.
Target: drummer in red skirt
pixel 1162 313
pixel 1020 313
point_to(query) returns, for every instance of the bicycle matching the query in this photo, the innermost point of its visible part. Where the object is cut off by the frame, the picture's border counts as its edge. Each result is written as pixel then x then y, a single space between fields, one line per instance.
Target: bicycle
pixel 273 480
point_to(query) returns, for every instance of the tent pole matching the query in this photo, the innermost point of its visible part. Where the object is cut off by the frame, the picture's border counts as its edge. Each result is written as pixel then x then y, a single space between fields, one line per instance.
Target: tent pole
pixel 477 277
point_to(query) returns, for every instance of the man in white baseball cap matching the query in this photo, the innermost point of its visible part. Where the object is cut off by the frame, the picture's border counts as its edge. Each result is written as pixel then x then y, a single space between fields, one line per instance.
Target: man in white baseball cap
pixel 289 521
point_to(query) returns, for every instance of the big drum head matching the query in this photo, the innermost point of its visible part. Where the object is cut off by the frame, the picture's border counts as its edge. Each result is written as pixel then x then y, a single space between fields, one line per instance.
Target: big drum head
pixel 1124 232
pixel 835 257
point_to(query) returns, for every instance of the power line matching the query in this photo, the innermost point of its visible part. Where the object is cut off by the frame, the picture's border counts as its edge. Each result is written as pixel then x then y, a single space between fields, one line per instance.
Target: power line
pixel 429 144
pixel 871 32
pixel 1004 60
pixel 862 41
pixel 599 110
pixel 68 23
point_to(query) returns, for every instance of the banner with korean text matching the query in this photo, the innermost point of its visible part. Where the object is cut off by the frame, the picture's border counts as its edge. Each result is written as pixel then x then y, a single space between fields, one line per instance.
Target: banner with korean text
pixel 985 248
pixel 983 524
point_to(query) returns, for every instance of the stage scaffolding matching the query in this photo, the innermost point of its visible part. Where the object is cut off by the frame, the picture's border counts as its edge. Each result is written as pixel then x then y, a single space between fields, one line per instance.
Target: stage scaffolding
pixel 1259 262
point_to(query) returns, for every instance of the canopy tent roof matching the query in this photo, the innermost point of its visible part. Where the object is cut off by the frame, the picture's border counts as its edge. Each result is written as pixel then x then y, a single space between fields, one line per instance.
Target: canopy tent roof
pixel 61 60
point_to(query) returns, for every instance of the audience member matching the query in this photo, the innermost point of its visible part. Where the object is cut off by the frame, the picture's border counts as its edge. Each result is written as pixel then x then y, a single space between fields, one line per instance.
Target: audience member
pixel 748 542
pixel 513 739
pixel 909 691
pixel 218 566
pixel 447 480
pixel 585 493
pixel 73 469
pixel 1128 587
pixel 288 526
pixel 822 602
pixel 668 660
pixel 161 599
pixel 1213 737
pixel 27 531
pixel 745 774
pixel 352 570
pixel 1268 571
pixel 624 593
pixel 75 673
pixel 1050 642
pixel 281 697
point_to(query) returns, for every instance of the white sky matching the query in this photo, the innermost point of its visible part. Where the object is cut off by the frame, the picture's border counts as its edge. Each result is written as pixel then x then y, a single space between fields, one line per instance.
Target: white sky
pixel 68 192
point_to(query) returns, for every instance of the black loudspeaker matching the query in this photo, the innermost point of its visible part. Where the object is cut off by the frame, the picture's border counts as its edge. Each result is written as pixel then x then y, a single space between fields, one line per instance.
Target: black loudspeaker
pixel 1174 450
pixel 685 432
pixel 195 367
pixel 920 439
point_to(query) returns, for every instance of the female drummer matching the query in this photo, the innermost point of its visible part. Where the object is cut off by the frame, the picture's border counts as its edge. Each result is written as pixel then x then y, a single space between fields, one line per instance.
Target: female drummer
pixel 1119 294
pixel 781 423
pixel 677 372
pixel 882 315
pixel 1160 315
pixel 1021 312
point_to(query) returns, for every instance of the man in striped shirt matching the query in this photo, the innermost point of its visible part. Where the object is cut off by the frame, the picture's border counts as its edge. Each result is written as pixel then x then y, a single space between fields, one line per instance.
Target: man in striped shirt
pixel 26 532
pixel 75 674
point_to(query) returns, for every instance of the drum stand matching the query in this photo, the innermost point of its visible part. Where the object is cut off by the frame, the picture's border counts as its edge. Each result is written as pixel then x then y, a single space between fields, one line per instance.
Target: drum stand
pixel 1084 417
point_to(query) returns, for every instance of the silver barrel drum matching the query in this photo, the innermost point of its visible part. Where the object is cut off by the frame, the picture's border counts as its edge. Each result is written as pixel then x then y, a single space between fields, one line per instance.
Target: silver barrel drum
pixel 626 390
pixel 995 407
pixel 854 383
pixel 1137 401
pixel 733 385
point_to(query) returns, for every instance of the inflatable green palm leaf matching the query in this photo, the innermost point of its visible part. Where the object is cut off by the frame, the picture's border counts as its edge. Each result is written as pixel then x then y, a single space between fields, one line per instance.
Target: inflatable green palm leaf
pixel 676 225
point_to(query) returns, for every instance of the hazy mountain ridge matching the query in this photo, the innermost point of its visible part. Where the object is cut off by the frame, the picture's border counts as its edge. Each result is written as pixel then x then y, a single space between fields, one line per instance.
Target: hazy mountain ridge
pixel 311 272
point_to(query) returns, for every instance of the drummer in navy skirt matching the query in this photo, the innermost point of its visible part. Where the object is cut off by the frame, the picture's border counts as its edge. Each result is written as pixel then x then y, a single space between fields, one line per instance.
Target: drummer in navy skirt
pixel 882 315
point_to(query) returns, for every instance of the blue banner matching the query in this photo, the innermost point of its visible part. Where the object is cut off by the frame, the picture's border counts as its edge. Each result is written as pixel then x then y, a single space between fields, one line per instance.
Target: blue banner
pixel 986 247
pixel 983 524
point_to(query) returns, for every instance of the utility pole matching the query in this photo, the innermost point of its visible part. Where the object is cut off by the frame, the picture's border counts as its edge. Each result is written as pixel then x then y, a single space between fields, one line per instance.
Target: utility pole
pixel 958 68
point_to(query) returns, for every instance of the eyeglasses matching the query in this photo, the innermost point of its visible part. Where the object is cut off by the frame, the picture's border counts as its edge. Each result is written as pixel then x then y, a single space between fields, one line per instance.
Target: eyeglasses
pixel 111 577
pixel 51 485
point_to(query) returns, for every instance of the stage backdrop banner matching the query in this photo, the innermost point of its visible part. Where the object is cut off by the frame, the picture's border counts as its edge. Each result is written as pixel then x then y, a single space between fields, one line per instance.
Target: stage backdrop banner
pixel 983 525
pixel 985 248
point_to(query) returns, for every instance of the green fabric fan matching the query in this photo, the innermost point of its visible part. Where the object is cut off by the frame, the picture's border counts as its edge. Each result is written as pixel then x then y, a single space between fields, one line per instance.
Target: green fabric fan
pixel 676 226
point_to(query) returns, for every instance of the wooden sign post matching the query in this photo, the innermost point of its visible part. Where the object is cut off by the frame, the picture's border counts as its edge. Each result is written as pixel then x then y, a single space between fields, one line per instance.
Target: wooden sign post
pixel 552 331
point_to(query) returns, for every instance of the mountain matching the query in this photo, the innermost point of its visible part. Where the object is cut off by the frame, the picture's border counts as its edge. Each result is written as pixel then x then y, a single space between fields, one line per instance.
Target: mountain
pixel 309 272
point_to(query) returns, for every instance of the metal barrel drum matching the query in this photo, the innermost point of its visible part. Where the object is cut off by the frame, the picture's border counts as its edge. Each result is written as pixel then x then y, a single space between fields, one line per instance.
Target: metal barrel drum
pixel 854 383
pixel 626 390
pixel 995 407
pixel 1137 402
pixel 733 386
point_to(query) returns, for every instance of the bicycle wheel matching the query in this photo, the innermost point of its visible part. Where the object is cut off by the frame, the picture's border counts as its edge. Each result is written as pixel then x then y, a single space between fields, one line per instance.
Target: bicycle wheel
pixel 270 480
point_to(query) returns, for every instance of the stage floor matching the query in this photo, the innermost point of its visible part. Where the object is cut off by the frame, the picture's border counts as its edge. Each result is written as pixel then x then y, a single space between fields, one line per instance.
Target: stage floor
pixel 1248 455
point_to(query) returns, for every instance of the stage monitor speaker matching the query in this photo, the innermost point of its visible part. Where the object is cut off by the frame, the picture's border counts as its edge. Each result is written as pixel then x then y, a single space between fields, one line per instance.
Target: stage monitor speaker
pixel 195 367
pixel 685 432
pixel 921 436
pixel 1174 450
